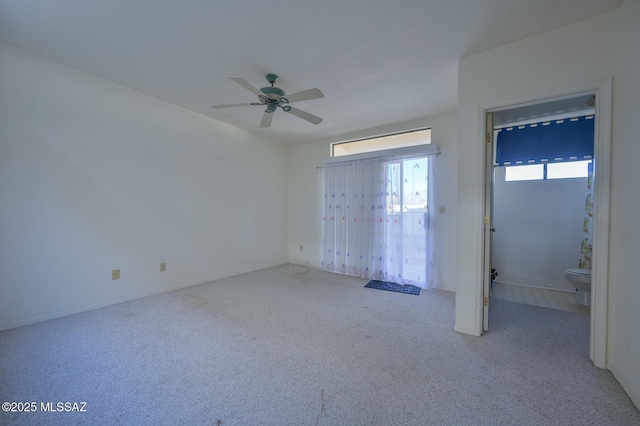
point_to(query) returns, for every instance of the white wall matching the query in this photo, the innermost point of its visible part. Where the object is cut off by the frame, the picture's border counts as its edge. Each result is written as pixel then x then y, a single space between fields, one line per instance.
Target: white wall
pixel 95 177
pixel 304 194
pixel 624 285
pixel 507 75
pixel 538 229
pixel 608 45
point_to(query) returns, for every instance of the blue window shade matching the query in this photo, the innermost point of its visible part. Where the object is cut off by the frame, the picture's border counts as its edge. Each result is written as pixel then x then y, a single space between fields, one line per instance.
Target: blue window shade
pixel 561 140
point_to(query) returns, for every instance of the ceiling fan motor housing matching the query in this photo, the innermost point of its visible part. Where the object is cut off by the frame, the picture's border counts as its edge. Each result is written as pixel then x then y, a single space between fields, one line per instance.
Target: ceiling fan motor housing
pixel 272 78
pixel 273 92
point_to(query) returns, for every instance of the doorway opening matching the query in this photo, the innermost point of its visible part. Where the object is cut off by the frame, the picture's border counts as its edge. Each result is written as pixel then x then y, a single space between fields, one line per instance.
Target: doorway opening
pixel 595 100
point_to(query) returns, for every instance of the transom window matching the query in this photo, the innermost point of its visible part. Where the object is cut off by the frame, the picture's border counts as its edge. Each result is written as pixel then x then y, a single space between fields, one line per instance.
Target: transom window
pixel 380 143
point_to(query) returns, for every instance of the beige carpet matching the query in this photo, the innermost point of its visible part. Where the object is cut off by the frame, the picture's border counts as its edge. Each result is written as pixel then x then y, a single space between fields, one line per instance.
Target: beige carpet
pixel 291 346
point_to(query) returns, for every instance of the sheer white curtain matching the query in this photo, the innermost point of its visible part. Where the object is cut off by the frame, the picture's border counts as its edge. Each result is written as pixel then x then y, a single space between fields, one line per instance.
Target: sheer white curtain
pixel 378 218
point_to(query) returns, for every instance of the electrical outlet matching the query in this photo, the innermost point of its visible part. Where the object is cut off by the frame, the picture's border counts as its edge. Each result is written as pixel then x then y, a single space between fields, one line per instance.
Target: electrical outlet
pixel 115 274
pixel 163 266
pixel 301 247
pixel 441 209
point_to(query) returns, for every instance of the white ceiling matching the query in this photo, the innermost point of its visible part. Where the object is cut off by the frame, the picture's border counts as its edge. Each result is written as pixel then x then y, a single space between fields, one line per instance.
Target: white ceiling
pixel 378 62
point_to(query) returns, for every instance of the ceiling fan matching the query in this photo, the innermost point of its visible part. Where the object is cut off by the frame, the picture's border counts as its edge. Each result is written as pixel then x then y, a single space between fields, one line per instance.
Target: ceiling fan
pixel 274 97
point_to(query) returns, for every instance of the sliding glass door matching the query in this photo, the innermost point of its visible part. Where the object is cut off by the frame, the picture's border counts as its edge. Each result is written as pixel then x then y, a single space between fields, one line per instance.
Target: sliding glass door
pixel 407 219
pixel 376 219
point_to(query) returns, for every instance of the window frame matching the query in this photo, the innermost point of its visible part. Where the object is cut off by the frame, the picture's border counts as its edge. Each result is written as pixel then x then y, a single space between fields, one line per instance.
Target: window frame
pixel 391 137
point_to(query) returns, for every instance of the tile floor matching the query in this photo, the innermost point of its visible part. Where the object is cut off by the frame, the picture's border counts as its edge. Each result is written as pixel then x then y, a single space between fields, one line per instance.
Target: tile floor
pixel 538 297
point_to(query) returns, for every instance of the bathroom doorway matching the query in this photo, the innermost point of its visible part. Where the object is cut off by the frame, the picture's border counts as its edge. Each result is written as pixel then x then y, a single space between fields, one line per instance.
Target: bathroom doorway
pixel 539 214
pixel 595 102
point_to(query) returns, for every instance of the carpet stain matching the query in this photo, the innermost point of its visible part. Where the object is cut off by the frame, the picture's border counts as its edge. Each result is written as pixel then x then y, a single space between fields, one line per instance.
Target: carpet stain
pixel 322 406
pixel 299 272
pixel 301 277
pixel 196 300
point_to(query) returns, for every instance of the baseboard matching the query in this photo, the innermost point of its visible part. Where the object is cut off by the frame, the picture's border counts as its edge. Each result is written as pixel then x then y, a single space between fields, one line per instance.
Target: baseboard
pixel 122 300
pixel 630 392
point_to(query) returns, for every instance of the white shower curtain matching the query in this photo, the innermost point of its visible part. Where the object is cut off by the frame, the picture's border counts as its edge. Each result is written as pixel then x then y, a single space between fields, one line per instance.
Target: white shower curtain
pixel 587 248
pixel 378 219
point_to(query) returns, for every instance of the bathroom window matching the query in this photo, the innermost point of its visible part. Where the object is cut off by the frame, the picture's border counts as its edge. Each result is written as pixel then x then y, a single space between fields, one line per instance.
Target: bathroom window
pixel 528 172
pixel 546 171
pixel 572 169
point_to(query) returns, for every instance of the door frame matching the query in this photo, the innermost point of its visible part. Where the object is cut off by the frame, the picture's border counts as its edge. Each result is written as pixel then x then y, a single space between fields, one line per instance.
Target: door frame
pixel 487 220
pixel 602 89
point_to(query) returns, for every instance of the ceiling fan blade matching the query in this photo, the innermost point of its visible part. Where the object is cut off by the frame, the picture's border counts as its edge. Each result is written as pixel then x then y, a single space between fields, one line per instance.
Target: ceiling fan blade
pixel 230 105
pixel 244 83
pixel 305 95
pixel 266 119
pixel 305 115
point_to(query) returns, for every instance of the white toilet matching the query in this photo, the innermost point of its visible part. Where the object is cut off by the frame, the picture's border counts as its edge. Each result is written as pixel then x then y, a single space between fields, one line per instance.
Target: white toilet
pixel 581 280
